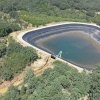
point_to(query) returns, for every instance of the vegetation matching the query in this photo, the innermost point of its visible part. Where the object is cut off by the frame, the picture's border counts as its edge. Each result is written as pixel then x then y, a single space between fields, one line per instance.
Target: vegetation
pixel 60 83
pixel 2 49
pixel 94 91
pixel 17 57
pixel 36 20
pixel 6 28
pixel 36 11
pixel 47 5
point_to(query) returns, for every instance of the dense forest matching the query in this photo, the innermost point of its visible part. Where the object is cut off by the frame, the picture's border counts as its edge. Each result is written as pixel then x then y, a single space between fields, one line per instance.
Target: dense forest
pixel 17 14
pixel 47 5
pixel 15 59
pixel 60 83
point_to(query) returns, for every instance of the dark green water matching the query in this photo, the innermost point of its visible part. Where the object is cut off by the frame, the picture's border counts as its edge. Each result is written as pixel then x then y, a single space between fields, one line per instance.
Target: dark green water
pixel 76 47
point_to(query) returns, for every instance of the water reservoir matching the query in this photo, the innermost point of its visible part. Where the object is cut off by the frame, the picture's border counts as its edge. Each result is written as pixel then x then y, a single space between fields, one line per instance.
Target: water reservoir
pixel 79 43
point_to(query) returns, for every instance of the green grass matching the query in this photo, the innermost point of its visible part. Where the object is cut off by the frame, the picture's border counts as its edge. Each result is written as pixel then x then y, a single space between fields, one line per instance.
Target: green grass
pixel 37 19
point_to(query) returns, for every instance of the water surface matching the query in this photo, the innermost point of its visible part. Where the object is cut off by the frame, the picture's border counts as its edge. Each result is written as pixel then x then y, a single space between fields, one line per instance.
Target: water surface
pixel 77 47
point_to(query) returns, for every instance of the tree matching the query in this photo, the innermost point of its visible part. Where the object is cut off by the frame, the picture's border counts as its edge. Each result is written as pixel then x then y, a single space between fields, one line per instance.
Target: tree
pixel 94 92
pixel 28 75
pixel 14 14
pixel 24 97
pixel 46 72
pixel 49 91
pixel 23 90
pixel 2 49
pixel 13 47
pixel 16 59
pixel 6 73
pixel 90 13
pixel 12 94
pixel 5 29
pixel 61 96
pixel 32 84
pixel 65 83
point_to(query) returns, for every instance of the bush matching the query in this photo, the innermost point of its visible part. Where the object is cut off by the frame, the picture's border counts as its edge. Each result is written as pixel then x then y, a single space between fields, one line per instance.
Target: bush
pixel 17 58
pixel 2 49
pixel 6 28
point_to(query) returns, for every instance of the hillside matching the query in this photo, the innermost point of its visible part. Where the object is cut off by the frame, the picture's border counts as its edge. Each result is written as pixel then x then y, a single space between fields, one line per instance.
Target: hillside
pixel 60 82
pixel 53 10
pixel 48 5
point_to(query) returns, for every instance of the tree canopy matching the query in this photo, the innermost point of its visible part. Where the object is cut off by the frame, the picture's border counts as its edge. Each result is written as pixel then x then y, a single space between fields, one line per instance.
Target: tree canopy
pixel 60 83
pixel 17 57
